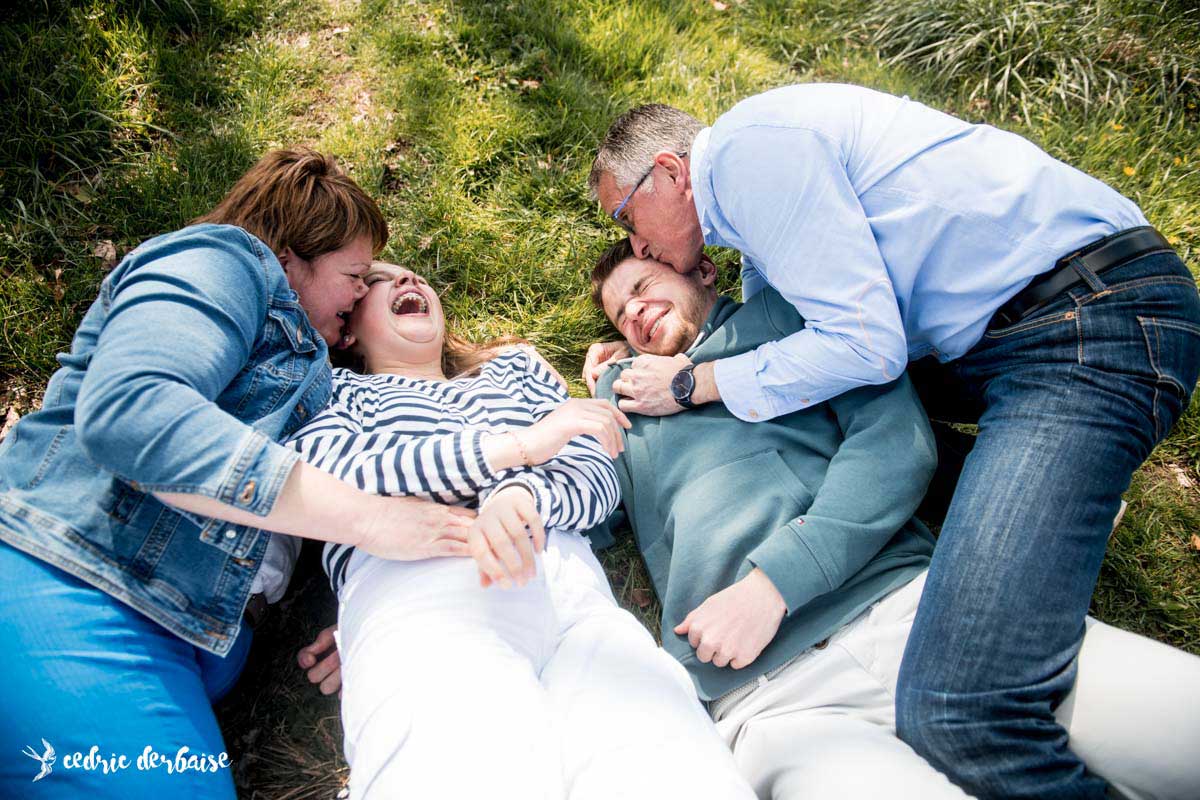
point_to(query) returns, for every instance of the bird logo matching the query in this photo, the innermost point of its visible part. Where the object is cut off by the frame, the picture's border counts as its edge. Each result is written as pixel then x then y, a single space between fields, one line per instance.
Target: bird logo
pixel 46 759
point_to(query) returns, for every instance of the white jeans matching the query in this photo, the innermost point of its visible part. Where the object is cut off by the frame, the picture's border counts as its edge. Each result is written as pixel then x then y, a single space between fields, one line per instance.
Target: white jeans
pixel 548 691
pixel 825 726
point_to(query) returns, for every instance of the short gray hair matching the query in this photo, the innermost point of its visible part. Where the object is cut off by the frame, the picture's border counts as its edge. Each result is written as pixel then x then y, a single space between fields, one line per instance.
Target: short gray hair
pixel 636 137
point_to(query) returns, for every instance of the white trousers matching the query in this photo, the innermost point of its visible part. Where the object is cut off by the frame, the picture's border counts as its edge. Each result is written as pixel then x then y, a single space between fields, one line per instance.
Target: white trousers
pixel 548 691
pixel 825 726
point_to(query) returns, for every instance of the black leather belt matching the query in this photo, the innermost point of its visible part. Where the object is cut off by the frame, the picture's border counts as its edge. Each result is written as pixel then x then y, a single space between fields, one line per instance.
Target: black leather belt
pixel 1102 254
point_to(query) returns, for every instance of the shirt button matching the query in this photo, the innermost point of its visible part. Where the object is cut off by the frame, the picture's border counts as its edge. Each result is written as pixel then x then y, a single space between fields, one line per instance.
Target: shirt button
pixel 753 414
pixel 248 492
pixel 230 533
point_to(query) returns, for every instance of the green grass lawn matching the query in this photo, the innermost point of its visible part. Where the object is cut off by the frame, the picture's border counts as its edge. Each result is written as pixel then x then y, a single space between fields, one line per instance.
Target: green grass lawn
pixel 474 123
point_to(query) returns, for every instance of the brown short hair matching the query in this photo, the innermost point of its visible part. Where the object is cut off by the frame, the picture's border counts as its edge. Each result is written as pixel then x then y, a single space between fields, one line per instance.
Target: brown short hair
pixel 617 254
pixel 301 199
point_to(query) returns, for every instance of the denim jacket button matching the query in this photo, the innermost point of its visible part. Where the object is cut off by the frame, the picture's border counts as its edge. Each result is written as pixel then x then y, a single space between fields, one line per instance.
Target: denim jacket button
pixel 230 533
pixel 247 492
pixel 300 412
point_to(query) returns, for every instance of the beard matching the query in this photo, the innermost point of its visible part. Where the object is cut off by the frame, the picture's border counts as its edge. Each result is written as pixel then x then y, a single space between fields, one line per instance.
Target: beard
pixel 691 312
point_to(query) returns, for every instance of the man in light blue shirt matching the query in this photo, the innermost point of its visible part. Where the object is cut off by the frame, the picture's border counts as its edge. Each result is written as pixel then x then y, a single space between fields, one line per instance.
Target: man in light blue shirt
pixel 1051 314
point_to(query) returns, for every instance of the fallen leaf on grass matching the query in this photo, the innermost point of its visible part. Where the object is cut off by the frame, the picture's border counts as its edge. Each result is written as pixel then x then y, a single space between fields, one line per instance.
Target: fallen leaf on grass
pixel 106 251
pixel 59 290
pixel 718 5
pixel 641 598
pixel 1181 477
pixel 13 417
pixel 80 191
pixel 1196 543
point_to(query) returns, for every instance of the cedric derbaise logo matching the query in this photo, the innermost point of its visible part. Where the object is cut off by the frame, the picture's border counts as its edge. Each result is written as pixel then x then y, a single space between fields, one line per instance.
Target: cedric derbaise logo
pixel 46 759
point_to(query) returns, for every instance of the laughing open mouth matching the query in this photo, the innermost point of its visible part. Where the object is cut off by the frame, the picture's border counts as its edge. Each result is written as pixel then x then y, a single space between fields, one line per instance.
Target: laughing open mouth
pixel 649 332
pixel 410 303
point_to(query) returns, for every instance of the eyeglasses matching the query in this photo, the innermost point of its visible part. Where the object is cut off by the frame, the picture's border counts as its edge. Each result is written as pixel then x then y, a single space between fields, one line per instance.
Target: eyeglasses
pixel 616 214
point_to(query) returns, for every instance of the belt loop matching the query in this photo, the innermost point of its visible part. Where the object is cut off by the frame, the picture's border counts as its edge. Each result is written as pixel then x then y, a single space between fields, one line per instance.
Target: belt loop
pixel 1090 278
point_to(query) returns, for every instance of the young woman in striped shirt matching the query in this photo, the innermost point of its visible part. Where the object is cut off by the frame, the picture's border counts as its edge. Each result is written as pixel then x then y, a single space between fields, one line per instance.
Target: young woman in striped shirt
pixel 512 673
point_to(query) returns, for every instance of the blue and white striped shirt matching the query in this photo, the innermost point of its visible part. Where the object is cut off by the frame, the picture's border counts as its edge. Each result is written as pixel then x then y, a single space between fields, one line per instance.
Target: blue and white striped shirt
pixel 393 435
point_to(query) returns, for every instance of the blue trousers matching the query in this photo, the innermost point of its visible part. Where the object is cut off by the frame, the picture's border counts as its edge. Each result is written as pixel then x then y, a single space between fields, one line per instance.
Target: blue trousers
pixel 1069 403
pixel 87 671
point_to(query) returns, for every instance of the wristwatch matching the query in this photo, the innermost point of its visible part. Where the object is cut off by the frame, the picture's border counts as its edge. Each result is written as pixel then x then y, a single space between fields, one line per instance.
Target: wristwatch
pixel 682 386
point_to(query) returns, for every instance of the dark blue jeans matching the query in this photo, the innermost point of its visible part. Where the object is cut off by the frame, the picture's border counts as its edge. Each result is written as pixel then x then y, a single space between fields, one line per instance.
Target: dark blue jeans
pixel 1069 402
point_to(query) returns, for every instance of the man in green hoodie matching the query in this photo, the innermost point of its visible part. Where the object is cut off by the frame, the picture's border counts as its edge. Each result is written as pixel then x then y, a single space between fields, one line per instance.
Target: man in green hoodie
pixel 789 565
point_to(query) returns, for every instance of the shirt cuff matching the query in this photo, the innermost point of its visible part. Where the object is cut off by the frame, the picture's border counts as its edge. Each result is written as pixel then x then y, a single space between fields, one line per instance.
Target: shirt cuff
pixel 537 487
pixel 737 381
pixel 787 560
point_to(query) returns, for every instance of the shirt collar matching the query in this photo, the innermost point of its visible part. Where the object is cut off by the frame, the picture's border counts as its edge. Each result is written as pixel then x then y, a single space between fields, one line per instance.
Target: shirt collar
pixel 721 311
pixel 701 180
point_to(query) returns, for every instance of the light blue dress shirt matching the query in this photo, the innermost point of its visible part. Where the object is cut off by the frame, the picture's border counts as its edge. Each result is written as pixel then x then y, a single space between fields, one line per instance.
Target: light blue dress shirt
pixel 895 230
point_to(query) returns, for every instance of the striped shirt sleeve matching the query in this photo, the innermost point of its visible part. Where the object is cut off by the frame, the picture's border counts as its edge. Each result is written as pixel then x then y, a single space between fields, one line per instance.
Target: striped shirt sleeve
pixel 577 489
pixel 447 468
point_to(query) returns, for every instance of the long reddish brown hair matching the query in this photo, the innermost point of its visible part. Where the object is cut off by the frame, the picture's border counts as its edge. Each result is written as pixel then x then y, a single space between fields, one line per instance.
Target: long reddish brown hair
pixel 461 357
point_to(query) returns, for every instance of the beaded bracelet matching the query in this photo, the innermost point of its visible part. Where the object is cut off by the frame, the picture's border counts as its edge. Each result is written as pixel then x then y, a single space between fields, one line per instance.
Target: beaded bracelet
pixel 520 448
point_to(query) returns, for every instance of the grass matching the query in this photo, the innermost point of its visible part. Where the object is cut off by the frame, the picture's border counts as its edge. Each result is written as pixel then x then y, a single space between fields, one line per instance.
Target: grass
pixel 474 124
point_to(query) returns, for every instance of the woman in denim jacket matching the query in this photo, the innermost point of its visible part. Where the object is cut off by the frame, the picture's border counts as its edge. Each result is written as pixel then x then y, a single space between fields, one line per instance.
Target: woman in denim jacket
pixel 134 503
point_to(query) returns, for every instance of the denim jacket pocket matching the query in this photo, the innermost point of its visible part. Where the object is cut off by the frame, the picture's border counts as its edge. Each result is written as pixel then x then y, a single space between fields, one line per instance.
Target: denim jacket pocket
pixel 286 346
pixel 1172 346
pixel 291 324
pixel 283 355
pixel 123 502
pixel 235 540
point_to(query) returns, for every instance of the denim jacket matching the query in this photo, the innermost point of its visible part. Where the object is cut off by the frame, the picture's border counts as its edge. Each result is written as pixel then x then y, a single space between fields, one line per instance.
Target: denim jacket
pixel 194 361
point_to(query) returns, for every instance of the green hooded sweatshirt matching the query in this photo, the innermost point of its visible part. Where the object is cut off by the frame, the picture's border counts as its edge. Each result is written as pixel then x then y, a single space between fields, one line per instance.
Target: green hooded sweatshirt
pixel 820 499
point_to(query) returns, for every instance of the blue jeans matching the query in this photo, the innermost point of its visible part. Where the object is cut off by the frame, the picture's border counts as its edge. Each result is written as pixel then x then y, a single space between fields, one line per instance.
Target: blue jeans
pixel 1069 401
pixel 86 670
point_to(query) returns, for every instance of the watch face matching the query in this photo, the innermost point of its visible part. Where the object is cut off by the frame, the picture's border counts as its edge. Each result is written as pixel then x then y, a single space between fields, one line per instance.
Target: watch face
pixel 682 385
